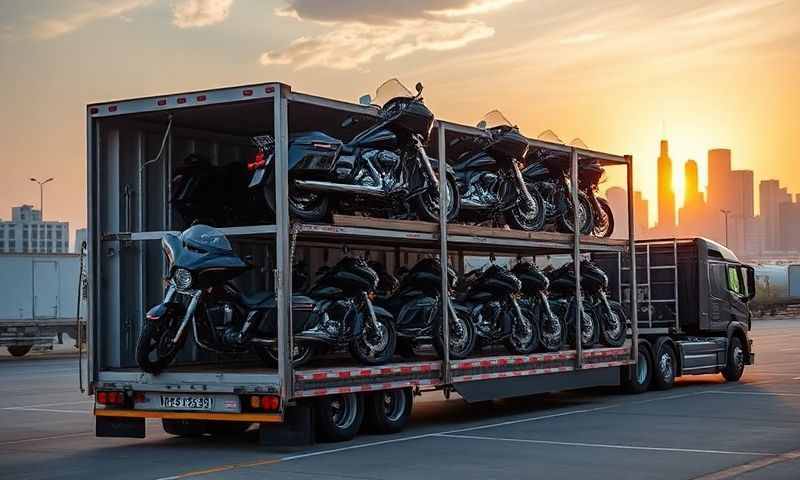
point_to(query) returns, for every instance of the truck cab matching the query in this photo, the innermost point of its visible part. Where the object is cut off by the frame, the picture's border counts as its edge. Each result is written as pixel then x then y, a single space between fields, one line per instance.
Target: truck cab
pixel 693 312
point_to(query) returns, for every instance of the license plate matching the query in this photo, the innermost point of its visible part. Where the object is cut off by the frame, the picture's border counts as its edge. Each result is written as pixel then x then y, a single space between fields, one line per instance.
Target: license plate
pixel 182 402
pixel 258 175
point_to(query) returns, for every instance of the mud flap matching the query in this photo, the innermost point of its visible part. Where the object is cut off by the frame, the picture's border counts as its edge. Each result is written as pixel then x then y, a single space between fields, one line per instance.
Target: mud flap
pixel 120 427
pixel 297 429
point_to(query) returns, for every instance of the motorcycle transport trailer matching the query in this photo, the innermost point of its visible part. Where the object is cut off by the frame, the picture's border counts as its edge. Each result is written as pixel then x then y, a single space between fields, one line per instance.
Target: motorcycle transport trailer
pixel 134 147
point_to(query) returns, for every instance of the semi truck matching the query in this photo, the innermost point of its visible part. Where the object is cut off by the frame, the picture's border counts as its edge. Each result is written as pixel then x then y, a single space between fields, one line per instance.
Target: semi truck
pixel 38 300
pixel 134 148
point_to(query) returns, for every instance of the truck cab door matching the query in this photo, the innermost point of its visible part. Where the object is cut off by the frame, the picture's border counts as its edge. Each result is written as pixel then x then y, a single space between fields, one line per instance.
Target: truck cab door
pixel 719 308
pixel 738 295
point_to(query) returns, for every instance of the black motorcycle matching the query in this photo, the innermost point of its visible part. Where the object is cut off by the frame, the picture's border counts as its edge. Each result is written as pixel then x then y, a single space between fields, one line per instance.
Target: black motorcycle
pixel 490 295
pixel 417 308
pixel 200 296
pixel 216 195
pixel 590 175
pixel 602 318
pixel 489 178
pixel 534 290
pixel 547 173
pixel 384 170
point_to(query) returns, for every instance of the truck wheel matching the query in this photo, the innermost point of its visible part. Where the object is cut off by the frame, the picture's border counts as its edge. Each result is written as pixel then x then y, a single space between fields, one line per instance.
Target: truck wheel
pixel 638 377
pixel 339 417
pixel 19 350
pixel 664 367
pixel 184 428
pixel 388 411
pixel 735 367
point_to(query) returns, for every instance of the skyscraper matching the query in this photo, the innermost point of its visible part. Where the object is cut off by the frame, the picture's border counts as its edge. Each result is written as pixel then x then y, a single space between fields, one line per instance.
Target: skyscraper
pixel 618 199
pixel 771 196
pixel 719 169
pixel 641 215
pixel 741 207
pixel 666 195
pixel 690 215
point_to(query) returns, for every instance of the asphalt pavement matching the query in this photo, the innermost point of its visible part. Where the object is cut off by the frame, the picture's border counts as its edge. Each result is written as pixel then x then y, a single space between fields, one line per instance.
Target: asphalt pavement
pixel 703 428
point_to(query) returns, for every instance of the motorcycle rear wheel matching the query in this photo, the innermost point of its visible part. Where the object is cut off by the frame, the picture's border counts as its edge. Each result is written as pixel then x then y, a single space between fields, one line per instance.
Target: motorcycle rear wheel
pixel 427 203
pixel 304 206
pixel 303 354
pixel 604 220
pixel 155 350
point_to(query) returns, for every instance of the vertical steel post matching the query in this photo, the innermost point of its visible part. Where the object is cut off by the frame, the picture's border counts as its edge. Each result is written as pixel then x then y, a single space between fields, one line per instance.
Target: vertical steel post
pixel 576 259
pixel 677 302
pixel 283 274
pixel 632 247
pixel 443 251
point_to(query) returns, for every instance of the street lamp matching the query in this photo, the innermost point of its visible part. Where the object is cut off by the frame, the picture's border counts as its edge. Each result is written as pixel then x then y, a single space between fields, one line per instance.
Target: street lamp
pixel 41 194
pixel 726 213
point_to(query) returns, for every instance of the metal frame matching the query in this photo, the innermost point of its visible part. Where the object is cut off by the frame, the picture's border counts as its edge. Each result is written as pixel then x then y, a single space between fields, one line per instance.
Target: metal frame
pixel 283 229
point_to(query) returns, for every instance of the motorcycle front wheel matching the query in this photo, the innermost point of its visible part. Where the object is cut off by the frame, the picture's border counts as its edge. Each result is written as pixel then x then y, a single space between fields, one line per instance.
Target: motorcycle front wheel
pixel 603 220
pixel 462 337
pixel 427 203
pixel 155 349
pixel 524 338
pixel 585 219
pixel 375 347
pixel 526 217
pixel 589 327
pixel 615 326
pixel 552 328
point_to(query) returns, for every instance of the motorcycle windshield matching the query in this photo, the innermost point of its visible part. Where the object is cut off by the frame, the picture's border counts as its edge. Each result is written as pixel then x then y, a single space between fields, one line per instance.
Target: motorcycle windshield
pixel 494 119
pixel 389 90
pixel 206 238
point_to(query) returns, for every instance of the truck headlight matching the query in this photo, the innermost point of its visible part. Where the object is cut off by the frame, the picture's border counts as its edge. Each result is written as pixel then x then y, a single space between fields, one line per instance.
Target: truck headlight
pixel 182 279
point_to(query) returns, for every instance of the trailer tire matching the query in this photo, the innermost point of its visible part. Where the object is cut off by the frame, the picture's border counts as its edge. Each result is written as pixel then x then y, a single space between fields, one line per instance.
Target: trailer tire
pixel 664 367
pixel 339 417
pixel 735 367
pixel 388 411
pixel 19 350
pixel 184 428
pixel 638 377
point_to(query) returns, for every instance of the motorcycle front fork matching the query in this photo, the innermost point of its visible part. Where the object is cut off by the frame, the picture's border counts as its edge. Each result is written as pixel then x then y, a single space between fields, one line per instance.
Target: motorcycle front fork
pixel 426 163
pixel 188 316
pixel 523 189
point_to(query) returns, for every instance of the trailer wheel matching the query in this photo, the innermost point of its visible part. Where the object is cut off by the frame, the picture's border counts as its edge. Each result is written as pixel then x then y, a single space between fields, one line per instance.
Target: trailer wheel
pixel 184 428
pixel 388 411
pixel 664 367
pixel 735 367
pixel 19 350
pixel 637 378
pixel 339 417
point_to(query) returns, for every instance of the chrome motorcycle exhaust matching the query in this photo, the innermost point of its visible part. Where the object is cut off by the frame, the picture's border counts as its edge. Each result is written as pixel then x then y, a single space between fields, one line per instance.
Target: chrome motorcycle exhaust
pixel 318 186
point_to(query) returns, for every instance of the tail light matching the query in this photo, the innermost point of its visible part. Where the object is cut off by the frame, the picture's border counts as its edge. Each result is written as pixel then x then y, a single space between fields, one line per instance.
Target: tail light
pixel 114 398
pixel 266 403
pixel 259 162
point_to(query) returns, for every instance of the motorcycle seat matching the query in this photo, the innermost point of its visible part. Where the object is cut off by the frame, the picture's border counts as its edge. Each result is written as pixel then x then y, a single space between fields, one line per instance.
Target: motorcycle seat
pixel 256 299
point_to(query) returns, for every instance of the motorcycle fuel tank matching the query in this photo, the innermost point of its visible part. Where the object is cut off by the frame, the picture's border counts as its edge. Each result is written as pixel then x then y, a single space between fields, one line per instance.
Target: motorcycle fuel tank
pixel 381 138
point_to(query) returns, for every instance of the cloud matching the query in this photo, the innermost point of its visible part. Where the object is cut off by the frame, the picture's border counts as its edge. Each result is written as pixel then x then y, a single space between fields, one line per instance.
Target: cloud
pixel 582 38
pixel 361 31
pixel 200 13
pixel 55 27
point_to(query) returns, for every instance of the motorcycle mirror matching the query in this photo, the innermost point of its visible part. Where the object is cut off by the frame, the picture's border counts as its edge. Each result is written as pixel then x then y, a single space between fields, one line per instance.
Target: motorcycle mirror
pixel 365 100
pixel 347 122
pixel 419 88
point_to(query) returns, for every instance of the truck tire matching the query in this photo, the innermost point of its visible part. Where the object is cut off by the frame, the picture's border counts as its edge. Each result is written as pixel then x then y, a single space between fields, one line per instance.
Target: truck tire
pixel 664 367
pixel 19 350
pixel 184 428
pixel 388 411
pixel 339 417
pixel 637 378
pixel 735 367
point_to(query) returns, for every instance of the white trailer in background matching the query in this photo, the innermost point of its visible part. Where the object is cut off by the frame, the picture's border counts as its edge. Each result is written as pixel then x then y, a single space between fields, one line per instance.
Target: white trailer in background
pixel 38 300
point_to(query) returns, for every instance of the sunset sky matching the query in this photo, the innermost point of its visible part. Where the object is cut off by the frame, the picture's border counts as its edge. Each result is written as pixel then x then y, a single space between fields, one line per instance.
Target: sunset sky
pixel 617 74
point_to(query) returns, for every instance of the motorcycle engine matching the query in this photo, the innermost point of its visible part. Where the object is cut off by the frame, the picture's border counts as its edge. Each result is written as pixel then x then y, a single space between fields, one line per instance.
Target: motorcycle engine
pixel 484 189
pixel 378 169
pixel 487 316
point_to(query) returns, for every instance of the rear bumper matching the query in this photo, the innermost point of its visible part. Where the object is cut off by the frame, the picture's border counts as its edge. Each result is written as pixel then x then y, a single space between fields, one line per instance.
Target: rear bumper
pixel 225 417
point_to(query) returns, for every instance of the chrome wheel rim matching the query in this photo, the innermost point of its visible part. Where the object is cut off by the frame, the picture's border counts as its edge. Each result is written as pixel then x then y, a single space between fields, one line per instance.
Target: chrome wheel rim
pixel 522 325
pixel 459 336
pixel 601 226
pixel 738 357
pixel 344 410
pixel 431 198
pixel 665 366
pixel 303 200
pixel 394 405
pixel 615 324
pixel 374 342
pixel 551 336
pixel 641 369
pixel 587 329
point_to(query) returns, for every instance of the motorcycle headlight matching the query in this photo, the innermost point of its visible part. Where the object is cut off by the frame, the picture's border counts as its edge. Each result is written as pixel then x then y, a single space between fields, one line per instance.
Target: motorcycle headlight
pixel 182 279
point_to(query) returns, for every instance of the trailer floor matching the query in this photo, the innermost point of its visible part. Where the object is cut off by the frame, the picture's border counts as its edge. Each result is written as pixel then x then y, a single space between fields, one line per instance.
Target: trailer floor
pixel 703 428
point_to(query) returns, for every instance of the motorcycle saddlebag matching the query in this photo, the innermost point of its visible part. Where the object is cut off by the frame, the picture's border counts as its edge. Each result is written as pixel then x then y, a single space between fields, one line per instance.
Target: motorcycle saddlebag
pixel 313 153
pixel 303 316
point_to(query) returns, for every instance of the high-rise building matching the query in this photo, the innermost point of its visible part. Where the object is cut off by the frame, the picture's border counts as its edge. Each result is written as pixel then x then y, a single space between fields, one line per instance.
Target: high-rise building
pixel 690 215
pixel 741 206
pixel 719 169
pixel 26 232
pixel 641 215
pixel 618 199
pixel 789 226
pixel 666 195
pixel 771 196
